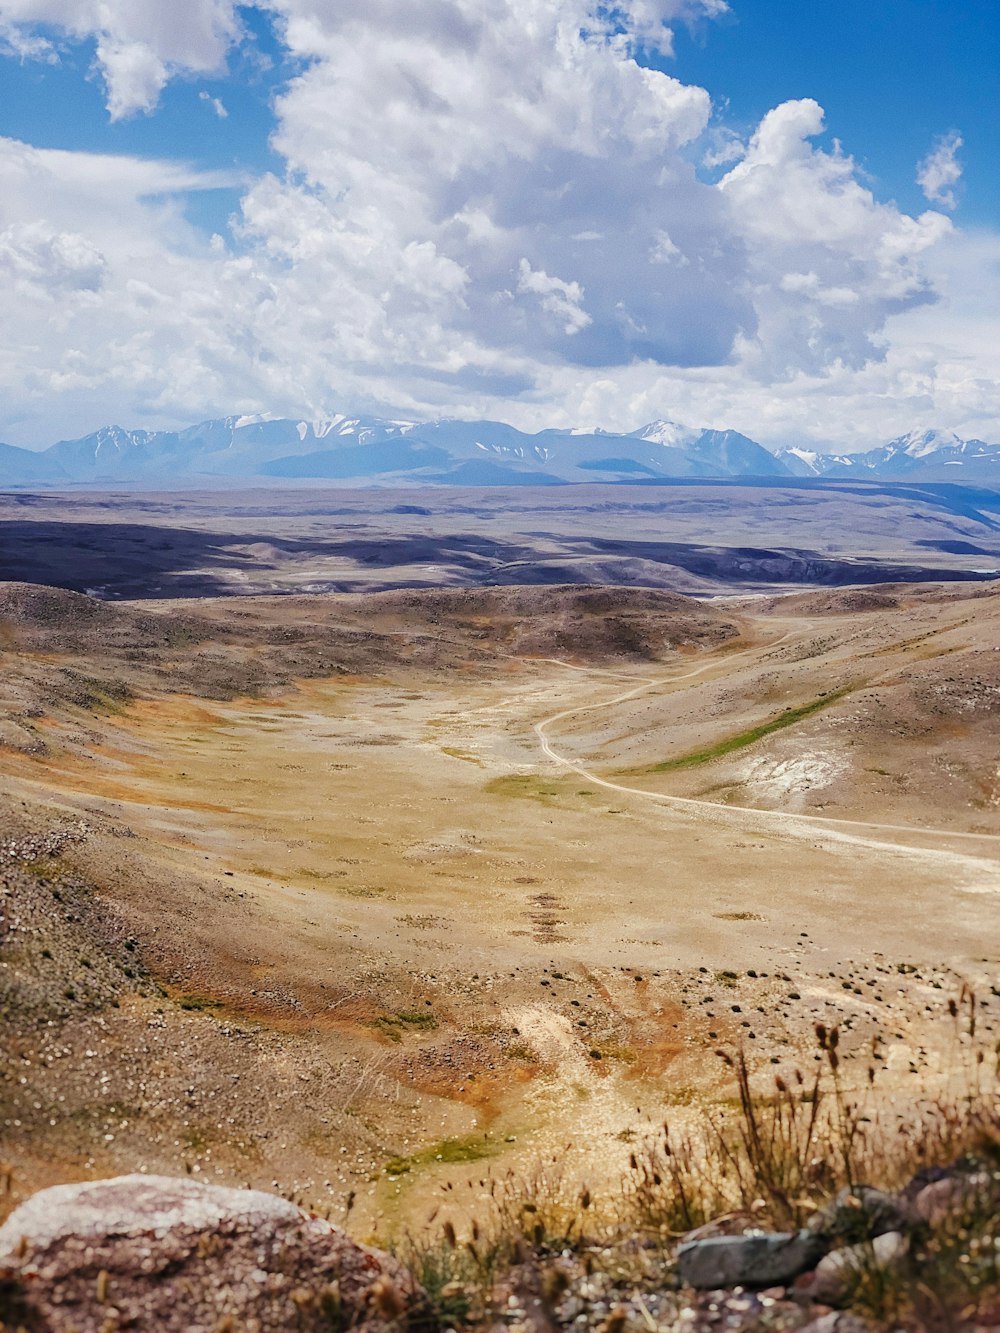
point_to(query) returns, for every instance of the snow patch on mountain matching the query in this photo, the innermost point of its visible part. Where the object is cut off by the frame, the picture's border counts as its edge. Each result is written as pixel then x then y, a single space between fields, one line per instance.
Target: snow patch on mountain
pixel 918 444
pixel 668 433
pixel 373 450
pixel 254 419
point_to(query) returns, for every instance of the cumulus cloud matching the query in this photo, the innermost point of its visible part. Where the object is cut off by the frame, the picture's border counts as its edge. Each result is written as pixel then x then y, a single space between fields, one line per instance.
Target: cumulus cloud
pixel 139 43
pixel 36 259
pixel 558 298
pixel 495 136
pixel 25 45
pixel 110 297
pixel 487 208
pixel 505 141
pixel 939 368
pixel 829 264
pixel 941 170
pixel 636 23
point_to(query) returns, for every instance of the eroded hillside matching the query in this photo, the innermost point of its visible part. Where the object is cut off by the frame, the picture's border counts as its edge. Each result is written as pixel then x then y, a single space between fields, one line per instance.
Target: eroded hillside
pixel 363 895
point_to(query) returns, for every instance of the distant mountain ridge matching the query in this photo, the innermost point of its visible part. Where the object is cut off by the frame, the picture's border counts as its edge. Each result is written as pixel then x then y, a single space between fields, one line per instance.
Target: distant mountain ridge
pixel 367 450
pixel 937 455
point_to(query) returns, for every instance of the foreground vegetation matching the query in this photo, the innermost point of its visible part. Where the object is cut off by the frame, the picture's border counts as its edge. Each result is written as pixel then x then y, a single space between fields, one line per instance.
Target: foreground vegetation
pixel 805 1152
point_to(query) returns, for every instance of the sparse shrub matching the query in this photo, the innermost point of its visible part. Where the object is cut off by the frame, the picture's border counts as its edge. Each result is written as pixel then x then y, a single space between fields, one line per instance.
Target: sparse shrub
pixel 770 1156
pixel 394 1025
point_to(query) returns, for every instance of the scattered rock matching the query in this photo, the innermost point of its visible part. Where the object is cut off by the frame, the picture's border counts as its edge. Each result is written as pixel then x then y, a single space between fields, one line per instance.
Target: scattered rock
pixel 837 1321
pixel 183 1257
pixel 861 1214
pixel 22 851
pixel 528 1295
pixel 936 1201
pixel 927 1175
pixel 836 1274
pixel 760 1260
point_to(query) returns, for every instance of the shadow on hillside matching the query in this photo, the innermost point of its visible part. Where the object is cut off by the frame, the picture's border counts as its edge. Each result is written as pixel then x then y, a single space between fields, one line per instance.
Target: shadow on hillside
pixel 145 560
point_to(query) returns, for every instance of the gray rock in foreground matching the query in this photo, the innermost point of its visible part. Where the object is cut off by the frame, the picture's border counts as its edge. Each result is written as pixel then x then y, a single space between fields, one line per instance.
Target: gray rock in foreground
pixel 183 1257
pixel 837 1274
pixel 761 1260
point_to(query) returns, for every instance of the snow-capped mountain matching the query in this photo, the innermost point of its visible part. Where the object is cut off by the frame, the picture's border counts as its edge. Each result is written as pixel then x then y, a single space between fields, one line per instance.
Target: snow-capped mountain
pixel 920 444
pixel 666 432
pixel 368 450
pixel 808 462
pixel 929 455
pixel 927 451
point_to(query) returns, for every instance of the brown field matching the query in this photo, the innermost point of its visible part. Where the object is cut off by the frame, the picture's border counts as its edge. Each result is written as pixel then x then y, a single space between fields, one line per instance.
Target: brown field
pixel 370 895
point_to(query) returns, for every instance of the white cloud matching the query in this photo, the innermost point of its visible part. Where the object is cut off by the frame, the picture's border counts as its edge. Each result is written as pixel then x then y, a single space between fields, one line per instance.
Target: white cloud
pixel 139 43
pixel 939 369
pixel 724 147
pixel 664 251
pixel 829 264
pixel 134 75
pixel 558 298
pixel 215 103
pixel 37 260
pixel 24 45
pixel 941 170
pixel 489 208
pixel 111 300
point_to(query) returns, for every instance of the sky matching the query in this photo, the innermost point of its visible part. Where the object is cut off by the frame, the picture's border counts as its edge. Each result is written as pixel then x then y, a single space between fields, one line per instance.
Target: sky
pixel 763 214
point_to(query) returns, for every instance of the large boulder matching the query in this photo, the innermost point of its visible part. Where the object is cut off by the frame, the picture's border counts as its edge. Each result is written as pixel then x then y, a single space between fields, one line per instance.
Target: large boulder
pixel 760 1259
pixel 178 1256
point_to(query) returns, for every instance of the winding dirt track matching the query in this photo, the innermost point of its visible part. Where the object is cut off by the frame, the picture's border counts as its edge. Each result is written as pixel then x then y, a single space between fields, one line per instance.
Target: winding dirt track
pixel 794 823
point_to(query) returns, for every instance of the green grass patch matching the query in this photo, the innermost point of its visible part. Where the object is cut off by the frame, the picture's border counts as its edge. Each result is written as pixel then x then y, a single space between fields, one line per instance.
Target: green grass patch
pixel 524 786
pixel 394 1025
pixel 198 1003
pixel 788 718
pixel 450 1151
pixel 453 752
pixel 101 697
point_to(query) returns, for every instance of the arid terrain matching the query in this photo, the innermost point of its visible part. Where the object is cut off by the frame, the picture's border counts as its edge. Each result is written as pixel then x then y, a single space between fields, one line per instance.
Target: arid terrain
pixel 702 538
pixel 359 897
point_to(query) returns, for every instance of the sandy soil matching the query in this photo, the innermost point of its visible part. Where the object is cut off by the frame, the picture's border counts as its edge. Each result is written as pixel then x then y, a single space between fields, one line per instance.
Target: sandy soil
pixel 405 925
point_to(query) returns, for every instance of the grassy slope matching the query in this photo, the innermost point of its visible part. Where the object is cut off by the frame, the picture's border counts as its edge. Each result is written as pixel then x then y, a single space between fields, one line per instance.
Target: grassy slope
pixel 789 717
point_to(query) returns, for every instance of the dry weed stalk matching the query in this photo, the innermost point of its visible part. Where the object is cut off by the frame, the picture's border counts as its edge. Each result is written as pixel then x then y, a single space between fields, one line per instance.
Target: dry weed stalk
pixel 769 1159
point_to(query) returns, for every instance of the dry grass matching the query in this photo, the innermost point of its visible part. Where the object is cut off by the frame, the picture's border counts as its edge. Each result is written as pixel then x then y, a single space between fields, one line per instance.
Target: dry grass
pixel 770 1159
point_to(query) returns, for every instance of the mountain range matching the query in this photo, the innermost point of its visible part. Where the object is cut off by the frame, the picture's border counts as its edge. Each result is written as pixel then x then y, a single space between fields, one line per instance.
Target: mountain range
pixel 379 451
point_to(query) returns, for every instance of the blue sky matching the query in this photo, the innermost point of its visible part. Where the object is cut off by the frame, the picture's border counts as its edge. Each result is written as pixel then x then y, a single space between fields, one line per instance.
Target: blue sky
pixel 702 211
pixel 62 104
pixel 891 74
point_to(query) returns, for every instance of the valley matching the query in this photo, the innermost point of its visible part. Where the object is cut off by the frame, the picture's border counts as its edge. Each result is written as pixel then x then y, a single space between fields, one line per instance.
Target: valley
pixel 362 897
